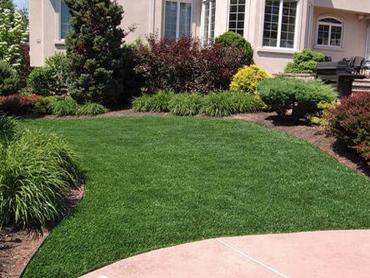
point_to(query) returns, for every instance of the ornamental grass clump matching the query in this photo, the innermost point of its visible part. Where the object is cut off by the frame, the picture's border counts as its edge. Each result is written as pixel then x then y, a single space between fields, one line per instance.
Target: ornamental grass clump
pixel 64 107
pixel 153 103
pixel 8 128
pixel 218 104
pixel 37 172
pixel 91 109
pixel 186 104
pixel 247 103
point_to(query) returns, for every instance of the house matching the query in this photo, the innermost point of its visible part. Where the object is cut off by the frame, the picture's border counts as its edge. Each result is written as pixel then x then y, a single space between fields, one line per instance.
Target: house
pixel 275 28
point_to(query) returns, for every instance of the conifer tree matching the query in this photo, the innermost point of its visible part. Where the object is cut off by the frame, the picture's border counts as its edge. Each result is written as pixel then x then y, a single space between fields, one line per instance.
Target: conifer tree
pixel 94 50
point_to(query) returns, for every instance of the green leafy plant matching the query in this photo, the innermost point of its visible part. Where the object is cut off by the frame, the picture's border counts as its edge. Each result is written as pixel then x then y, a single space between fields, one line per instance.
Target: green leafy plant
pixel 64 107
pixel 43 106
pixel 153 103
pixel 91 109
pixel 247 78
pixel 247 103
pixel 9 79
pixel 40 81
pixel 232 39
pixel 303 97
pixel 305 61
pixel 8 128
pixel 36 174
pixel 218 104
pixel 186 104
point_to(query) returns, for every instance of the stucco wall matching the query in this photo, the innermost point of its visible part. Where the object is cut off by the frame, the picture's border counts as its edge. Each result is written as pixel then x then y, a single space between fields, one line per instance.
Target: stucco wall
pixel 354 34
pixel 360 6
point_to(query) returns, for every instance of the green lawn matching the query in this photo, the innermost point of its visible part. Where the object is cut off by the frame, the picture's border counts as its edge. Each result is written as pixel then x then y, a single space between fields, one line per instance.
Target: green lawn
pixel 155 182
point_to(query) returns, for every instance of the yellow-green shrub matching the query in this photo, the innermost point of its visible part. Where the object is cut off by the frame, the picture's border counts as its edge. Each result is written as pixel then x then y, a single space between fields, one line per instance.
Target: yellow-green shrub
pixel 246 79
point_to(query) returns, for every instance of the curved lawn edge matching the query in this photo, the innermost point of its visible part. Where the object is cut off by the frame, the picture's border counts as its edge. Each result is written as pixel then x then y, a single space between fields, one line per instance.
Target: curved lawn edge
pixel 238 125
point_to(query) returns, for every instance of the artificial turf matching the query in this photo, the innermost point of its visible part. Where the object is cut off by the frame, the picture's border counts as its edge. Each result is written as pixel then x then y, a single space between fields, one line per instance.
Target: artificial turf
pixel 155 182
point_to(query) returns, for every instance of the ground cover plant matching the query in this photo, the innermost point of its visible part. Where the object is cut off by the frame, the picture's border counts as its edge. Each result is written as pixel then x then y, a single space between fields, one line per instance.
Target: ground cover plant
pixel 303 97
pixel 154 182
pixel 350 122
pixel 215 104
pixel 37 170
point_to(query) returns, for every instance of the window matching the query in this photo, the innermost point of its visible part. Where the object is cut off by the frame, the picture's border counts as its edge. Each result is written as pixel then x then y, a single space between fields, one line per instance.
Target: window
pixel 177 19
pixel 329 32
pixel 237 16
pixel 64 20
pixel 280 23
pixel 209 8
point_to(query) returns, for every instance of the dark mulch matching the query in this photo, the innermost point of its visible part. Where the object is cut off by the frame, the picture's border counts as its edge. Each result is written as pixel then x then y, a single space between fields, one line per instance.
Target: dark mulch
pixel 17 247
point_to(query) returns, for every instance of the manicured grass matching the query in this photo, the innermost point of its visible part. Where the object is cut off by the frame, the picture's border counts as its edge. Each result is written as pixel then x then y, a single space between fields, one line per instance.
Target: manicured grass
pixel 155 182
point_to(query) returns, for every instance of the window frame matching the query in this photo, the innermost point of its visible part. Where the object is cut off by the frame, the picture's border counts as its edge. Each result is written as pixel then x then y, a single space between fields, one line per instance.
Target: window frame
pixel 59 39
pixel 246 12
pixel 318 24
pixel 178 3
pixel 278 48
pixel 210 39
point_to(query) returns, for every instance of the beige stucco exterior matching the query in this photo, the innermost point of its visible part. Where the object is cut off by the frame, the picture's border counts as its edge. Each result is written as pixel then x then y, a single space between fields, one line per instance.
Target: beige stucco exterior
pixel 147 16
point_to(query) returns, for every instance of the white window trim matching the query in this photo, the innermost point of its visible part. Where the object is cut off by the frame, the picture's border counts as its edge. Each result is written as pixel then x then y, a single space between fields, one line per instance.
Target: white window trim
pixel 203 23
pixel 246 17
pixel 177 16
pixel 278 49
pixel 59 40
pixel 329 46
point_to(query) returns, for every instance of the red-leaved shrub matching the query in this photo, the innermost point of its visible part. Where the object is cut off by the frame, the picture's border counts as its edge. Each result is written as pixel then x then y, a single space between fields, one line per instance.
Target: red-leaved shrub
pixel 350 122
pixel 17 104
pixel 186 66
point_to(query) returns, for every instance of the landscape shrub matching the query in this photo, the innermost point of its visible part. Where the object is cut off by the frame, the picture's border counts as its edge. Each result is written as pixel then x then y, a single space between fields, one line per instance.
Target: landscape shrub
pixel 43 106
pixel 64 107
pixel 17 104
pixel 91 109
pixel 247 78
pixel 158 102
pixel 51 79
pixel 95 52
pixel 37 171
pixel 40 81
pixel 321 117
pixel 184 66
pixel 9 79
pixel 303 97
pixel 186 104
pixel 350 122
pixel 247 103
pixel 218 104
pixel 305 61
pixel 232 39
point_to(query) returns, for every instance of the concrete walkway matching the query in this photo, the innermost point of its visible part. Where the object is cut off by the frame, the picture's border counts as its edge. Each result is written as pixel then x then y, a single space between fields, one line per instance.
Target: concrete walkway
pixel 318 254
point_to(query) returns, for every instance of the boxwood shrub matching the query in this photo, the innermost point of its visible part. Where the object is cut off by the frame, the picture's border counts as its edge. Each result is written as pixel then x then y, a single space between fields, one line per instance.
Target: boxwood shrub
pixel 303 97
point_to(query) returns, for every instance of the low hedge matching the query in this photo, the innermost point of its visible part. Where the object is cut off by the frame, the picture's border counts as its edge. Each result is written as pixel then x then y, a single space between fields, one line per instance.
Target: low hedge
pixel 303 97
pixel 350 123
pixel 17 104
pixel 215 104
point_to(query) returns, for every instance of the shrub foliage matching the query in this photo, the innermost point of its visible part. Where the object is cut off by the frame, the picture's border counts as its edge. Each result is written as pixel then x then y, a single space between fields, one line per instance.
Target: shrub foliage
pixel 184 66
pixel 305 61
pixel 303 97
pixel 246 79
pixel 232 39
pixel 17 104
pixel 9 79
pixel 350 122
pixel 64 107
